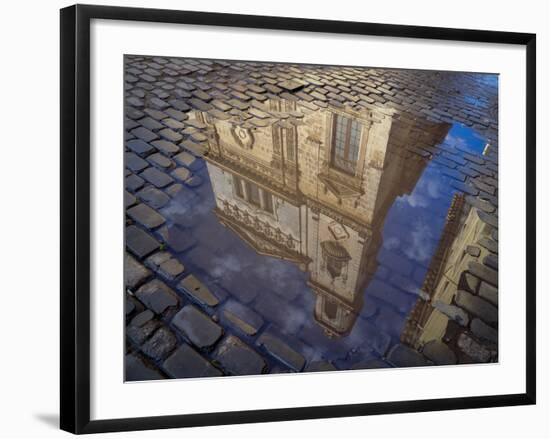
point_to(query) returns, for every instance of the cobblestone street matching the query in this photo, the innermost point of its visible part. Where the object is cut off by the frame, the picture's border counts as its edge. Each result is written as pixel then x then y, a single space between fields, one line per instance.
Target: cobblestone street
pixel 300 218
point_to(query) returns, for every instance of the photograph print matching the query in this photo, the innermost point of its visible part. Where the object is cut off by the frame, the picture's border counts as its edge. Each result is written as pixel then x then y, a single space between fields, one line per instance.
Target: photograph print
pixel 286 218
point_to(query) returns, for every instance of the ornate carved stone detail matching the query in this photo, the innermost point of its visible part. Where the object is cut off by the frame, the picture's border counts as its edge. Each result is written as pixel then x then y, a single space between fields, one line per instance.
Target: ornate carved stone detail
pixel 243 136
pixel 261 235
pixel 337 177
pixel 335 259
pixel 263 175
pixel 339 189
pixel 316 207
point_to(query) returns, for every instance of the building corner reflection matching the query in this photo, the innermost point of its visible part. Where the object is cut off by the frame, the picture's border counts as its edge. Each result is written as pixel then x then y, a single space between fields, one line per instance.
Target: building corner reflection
pixel 313 186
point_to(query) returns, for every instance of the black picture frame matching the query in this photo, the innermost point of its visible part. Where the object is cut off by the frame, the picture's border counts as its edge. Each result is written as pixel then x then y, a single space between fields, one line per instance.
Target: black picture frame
pixel 75 217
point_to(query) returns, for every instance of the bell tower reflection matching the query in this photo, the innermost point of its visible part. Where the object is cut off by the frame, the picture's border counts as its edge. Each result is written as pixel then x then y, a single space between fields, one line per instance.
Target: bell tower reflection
pixel 313 186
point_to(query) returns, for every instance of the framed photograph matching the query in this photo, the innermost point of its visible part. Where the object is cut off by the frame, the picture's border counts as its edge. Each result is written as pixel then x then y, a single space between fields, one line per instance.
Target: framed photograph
pixel 268 218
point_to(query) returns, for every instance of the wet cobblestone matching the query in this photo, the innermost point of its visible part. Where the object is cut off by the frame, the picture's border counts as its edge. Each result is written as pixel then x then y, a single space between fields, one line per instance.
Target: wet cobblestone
pixel 180 324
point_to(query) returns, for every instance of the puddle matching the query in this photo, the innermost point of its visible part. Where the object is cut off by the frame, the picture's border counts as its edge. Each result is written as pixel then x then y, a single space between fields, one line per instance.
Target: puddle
pixel 324 222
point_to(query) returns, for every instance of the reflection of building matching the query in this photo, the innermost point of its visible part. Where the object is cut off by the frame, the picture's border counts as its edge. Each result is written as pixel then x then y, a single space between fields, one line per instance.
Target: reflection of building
pixel 448 285
pixel 313 186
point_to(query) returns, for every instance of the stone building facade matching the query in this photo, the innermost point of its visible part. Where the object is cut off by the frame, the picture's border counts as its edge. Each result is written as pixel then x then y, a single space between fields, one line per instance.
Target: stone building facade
pixel 457 320
pixel 313 186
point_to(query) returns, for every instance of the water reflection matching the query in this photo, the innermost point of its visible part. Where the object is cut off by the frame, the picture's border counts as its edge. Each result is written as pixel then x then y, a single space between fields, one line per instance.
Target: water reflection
pixel 332 212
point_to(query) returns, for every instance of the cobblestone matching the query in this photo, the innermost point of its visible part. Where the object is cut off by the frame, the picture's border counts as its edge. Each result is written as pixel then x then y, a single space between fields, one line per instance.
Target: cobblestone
pixel 160 161
pixel 489 219
pixel 188 160
pixel 174 189
pixel 143 214
pixel 319 366
pixel 196 289
pixel 141 327
pixel 238 359
pixel 181 174
pixel 137 370
pixel 197 327
pixel 487 274
pixel 242 317
pixel 473 349
pixel 157 178
pixel 133 182
pixel 129 200
pixel 488 292
pixel 375 363
pixel 134 273
pixel 139 147
pixel 171 269
pixel 130 306
pixel 150 124
pixel 153 197
pixel 469 282
pixel 157 296
pixel 453 312
pixel 480 204
pixel 166 147
pixel 484 331
pixel 477 306
pixel 491 261
pixel 489 244
pixel 144 134
pixel 484 187
pixel 161 343
pixel 281 351
pixel 178 242
pixel 142 318
pixel 140 243
pixel 403 356
pixel 155 260
pixel 170 135
pixel 186 362
pixel 465 187
pixel 439 353
pixel 134 162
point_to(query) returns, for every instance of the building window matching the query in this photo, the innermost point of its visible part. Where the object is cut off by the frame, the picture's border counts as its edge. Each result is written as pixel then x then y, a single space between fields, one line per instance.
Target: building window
pixel 253 194
pixel 237 184
pixel 267 202
pixel 330 309
pixel 345 143
pixel 290 144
